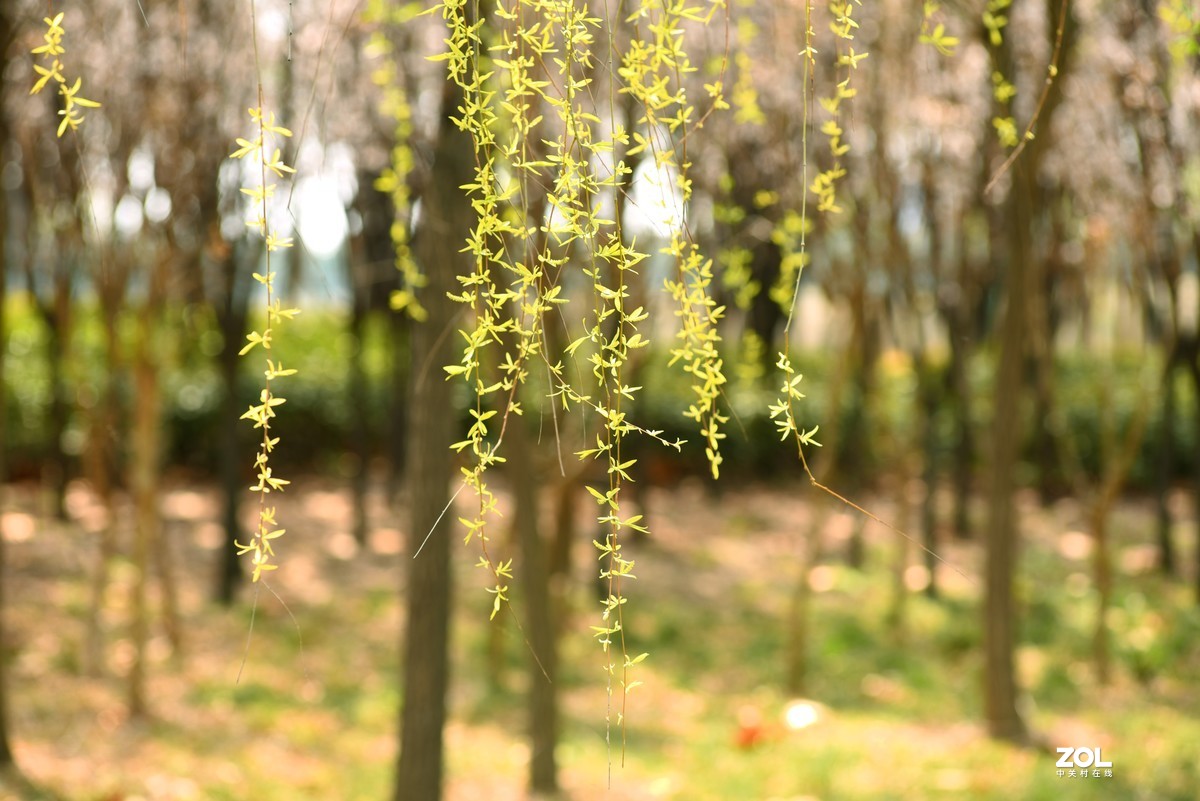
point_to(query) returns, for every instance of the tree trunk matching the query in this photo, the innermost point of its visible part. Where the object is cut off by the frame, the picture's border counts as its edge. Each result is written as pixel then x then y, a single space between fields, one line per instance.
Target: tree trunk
pixel 146 442
pixel 6 757
pixel 401 341
pixel 1166 468
pixel 58 330
pixel 539 622
pixel 928 397
pixel 960 387
pixel 1104 588
pixel 166 586
pixel 445 224
pixel 231 317
pixel 1004 722
pixel 1195 370
pixel 796 681
pixel 100 466
pixel 362 422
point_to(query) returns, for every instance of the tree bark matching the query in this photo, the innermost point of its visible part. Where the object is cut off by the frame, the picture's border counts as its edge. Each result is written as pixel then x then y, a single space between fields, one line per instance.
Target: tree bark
pixel 101 459
pixel 539 621
pixel 960 389
pixel 6 757
pixel 231 306
pixel 796 669
pixel 1166 468
pixel 361 434
pixel 444 224
pixel 1004 722
pixel 146 441
pixel 58 328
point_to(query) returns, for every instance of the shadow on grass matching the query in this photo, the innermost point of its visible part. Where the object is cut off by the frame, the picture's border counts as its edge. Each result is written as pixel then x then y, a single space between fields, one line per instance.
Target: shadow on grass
pixel 15 785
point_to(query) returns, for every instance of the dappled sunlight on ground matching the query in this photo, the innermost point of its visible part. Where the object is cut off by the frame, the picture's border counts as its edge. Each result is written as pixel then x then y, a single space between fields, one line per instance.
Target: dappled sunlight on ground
pixel 293 692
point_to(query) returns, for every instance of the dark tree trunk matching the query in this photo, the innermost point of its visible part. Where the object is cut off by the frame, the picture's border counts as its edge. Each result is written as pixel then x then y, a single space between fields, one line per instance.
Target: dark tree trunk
pixel 445 224
pixel 372 272
pixel 1166 467
pixel 1000 694
pixel 796 669
pixel 144 478
pixel 101 468
pixel 964 441
pixel 232 302
pixel 1195 371
pixel 401 341
pixel 362 422
pixel 928 395
pixel 58 330
pixel 1014 237
pixel 6 757
pixel 539 622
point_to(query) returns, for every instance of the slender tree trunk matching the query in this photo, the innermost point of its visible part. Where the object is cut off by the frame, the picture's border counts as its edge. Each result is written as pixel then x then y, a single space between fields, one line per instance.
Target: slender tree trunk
pixel 1000 695
pixel 172 624
pixel 1166 468
pixel 362 422
pixel 796 681
pixel 231 316
pixel 401 341
pixel 144 486
pixel 6 757
pixel 1195 370
pixel 1104 588
pixel 100 466
pixel 929 471
pixel 445 223
pixel 58 328
pixel 964 441
pixel 539 622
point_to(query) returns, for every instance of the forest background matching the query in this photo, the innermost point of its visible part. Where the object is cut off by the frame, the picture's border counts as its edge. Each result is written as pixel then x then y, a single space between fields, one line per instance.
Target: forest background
pixel 971 227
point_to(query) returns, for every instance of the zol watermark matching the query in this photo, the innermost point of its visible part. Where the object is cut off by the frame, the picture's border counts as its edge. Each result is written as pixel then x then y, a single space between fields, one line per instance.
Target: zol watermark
pixel 1080 762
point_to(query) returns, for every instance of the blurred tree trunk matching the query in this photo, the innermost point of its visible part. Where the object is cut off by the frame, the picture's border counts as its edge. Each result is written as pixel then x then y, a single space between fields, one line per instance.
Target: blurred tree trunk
pixel 1194 369
pixel 361 435
pixel 50 278
pixel 400 336
pixel 445 223
pixel 231 304
pixel 55 311
pixel 6 757
pixel 145 468
pixel 796 668
pixel 1014 232
pixel 1004 722
pixel 957 313
pixel 539 622
pixel 857 453
pixel 372 273
pixel 897 613
pixel 100 458
pixel 1165 472
pixel 1116 471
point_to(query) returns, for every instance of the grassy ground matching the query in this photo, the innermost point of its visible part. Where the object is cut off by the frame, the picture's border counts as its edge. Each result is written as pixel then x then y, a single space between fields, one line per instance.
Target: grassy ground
pixel 895 695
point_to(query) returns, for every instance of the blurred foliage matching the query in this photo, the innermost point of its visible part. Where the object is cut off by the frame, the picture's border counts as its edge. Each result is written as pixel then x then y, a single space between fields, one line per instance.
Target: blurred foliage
pixel 321 420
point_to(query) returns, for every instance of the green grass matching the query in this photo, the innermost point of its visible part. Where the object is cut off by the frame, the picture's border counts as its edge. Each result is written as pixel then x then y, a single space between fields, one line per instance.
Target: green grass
pixel 314 713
